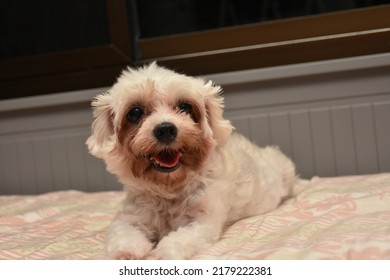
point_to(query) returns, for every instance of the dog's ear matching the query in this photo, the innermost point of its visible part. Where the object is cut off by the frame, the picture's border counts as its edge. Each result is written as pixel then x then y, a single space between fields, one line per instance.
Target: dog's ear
pixel 102 127
pixel 220 127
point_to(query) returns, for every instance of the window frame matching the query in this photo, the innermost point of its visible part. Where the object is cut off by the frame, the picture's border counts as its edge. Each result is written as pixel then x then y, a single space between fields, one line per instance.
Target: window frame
pixel 281 42
pixel 82 68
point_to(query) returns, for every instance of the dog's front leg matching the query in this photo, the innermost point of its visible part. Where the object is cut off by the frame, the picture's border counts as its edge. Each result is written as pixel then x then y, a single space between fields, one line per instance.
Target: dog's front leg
pixel 187 240
pixel 126 241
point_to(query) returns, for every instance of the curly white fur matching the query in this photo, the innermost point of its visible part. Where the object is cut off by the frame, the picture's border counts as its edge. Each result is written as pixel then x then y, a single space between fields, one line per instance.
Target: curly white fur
pixel 218 178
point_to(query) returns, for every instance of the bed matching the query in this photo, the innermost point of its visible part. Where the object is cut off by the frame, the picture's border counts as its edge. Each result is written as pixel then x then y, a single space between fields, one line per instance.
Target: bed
pixel 329 218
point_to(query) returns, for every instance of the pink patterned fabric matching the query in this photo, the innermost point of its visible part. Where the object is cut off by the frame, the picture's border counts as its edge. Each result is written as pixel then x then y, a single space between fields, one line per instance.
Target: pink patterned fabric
pixel 330 218
pixel 333 218
pixel 58 225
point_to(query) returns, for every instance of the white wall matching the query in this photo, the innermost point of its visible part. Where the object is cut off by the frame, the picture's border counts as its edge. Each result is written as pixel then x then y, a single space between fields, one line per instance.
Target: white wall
pixel 331 117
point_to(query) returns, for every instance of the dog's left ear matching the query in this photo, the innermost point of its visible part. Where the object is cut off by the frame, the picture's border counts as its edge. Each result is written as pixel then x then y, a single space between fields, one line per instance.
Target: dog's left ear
pixel 102 127
pixel 220 127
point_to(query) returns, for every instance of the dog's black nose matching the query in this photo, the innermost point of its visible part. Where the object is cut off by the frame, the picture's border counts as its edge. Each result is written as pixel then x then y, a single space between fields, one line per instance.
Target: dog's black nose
pixel 165 132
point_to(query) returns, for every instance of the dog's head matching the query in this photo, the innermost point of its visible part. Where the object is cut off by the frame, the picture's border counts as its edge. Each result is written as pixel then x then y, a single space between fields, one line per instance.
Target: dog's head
pixel 157 126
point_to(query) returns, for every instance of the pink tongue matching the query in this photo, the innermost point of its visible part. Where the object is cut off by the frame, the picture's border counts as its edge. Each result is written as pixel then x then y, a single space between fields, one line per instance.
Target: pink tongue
pixel 166 159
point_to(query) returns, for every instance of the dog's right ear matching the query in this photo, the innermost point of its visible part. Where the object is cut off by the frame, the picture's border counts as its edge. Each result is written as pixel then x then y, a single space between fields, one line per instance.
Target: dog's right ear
pixel 100 142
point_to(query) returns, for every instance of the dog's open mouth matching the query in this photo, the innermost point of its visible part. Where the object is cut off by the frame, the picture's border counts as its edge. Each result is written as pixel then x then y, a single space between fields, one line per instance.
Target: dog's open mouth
pixel 166 161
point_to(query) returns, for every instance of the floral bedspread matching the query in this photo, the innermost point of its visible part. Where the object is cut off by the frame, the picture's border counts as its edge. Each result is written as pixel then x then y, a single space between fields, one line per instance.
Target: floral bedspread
pixel 329 218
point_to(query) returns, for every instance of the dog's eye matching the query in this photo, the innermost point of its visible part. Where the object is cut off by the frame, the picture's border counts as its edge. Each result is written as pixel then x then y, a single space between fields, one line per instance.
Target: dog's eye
pixel 135 114
pixel 185 107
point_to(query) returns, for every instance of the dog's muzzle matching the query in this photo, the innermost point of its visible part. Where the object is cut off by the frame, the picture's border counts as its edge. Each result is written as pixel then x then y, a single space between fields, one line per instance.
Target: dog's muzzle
pixel 167 160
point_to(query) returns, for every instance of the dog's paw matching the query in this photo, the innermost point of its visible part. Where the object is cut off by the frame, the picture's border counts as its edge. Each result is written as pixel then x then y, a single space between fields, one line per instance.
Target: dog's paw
pixel 129 250
pixel 125 254
pixel 159 254
pixel 169 249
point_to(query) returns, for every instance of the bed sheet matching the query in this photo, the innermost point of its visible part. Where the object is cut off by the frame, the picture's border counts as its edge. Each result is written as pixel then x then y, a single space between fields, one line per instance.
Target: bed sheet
pixel 329 218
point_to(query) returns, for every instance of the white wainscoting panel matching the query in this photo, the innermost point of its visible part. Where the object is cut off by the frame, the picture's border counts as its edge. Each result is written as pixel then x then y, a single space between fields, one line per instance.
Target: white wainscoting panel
pixel 332 118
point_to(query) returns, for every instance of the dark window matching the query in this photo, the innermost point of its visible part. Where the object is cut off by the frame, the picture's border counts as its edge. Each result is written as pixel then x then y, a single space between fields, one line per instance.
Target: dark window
pixel 167 17
pixel 43 26
pixel 54 46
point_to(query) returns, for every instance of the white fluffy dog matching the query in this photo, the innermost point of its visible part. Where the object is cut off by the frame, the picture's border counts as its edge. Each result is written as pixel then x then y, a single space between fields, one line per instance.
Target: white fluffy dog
pixel 187 177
